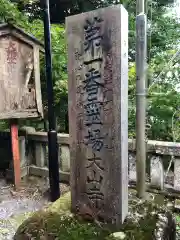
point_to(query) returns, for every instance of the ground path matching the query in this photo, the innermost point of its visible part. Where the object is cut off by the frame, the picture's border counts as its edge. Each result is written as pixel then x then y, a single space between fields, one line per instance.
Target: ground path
pixel 16 205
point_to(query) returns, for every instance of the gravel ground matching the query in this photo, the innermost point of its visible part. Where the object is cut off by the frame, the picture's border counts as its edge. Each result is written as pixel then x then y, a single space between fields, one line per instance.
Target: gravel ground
pixel 32 196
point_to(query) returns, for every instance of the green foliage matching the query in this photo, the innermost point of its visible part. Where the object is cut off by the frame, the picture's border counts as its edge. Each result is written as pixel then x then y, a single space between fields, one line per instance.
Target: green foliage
pixel 161 108
pixel 162 101
pixel 59 60
pixel 59 9
pixel 10 13
pixel 177 217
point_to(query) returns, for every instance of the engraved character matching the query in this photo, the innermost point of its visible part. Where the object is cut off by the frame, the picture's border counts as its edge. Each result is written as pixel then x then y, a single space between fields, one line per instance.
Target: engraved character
pixel 11 53
pixel 93 37
pixel 94 182
pixel 92 83
pixel 92 113
pixel 97 199
pixel 94 137
pixel 95 161
pixel 95 177
pixel 77 54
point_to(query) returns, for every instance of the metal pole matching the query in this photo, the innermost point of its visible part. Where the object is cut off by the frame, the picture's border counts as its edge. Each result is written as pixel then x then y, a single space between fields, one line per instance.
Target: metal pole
pixel 52 134
pixel 141 55
pixel 139 7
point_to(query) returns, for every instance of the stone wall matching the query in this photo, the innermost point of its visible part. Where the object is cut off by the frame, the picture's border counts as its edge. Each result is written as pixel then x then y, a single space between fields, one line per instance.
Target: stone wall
pixel 160 156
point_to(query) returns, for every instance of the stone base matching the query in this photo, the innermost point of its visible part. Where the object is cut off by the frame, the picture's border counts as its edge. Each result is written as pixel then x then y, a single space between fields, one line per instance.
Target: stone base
pixel 44 172
pixel 10 173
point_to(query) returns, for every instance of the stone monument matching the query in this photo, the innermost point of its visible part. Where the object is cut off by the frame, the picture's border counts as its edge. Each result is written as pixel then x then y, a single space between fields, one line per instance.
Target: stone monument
pixel 98 112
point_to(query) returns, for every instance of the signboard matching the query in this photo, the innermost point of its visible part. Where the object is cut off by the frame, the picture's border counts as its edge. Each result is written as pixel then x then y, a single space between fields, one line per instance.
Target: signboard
pixel 20 92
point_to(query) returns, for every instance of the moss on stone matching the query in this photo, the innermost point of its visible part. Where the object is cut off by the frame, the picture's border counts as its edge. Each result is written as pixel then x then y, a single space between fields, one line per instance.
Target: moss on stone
pixel 63 204
pixel 56 222
pixel 17 220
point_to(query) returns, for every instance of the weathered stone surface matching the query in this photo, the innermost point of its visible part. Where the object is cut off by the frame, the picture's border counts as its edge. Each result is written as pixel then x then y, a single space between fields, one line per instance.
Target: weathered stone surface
pixel 159 147
pixel 44 172
pixel 157 172
pixel 132 166
pixel 27 130
pixel 65 158
pixel 177 173
pixel 98 111
pixel 22 150
pixel 40 154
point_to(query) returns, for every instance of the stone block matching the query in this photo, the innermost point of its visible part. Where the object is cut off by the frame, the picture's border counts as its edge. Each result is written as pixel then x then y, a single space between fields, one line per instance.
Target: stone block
pixel 98 111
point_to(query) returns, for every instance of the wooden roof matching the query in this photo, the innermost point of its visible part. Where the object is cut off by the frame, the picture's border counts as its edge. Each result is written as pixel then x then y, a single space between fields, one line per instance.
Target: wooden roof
pixel 9 29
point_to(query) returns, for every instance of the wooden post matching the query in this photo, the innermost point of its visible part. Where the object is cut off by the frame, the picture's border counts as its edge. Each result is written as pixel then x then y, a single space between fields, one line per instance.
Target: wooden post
pixel 15 153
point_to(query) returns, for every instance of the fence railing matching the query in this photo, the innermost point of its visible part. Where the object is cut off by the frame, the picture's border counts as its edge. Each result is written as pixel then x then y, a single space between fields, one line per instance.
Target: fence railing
pixel 37 152
pixel 162 166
